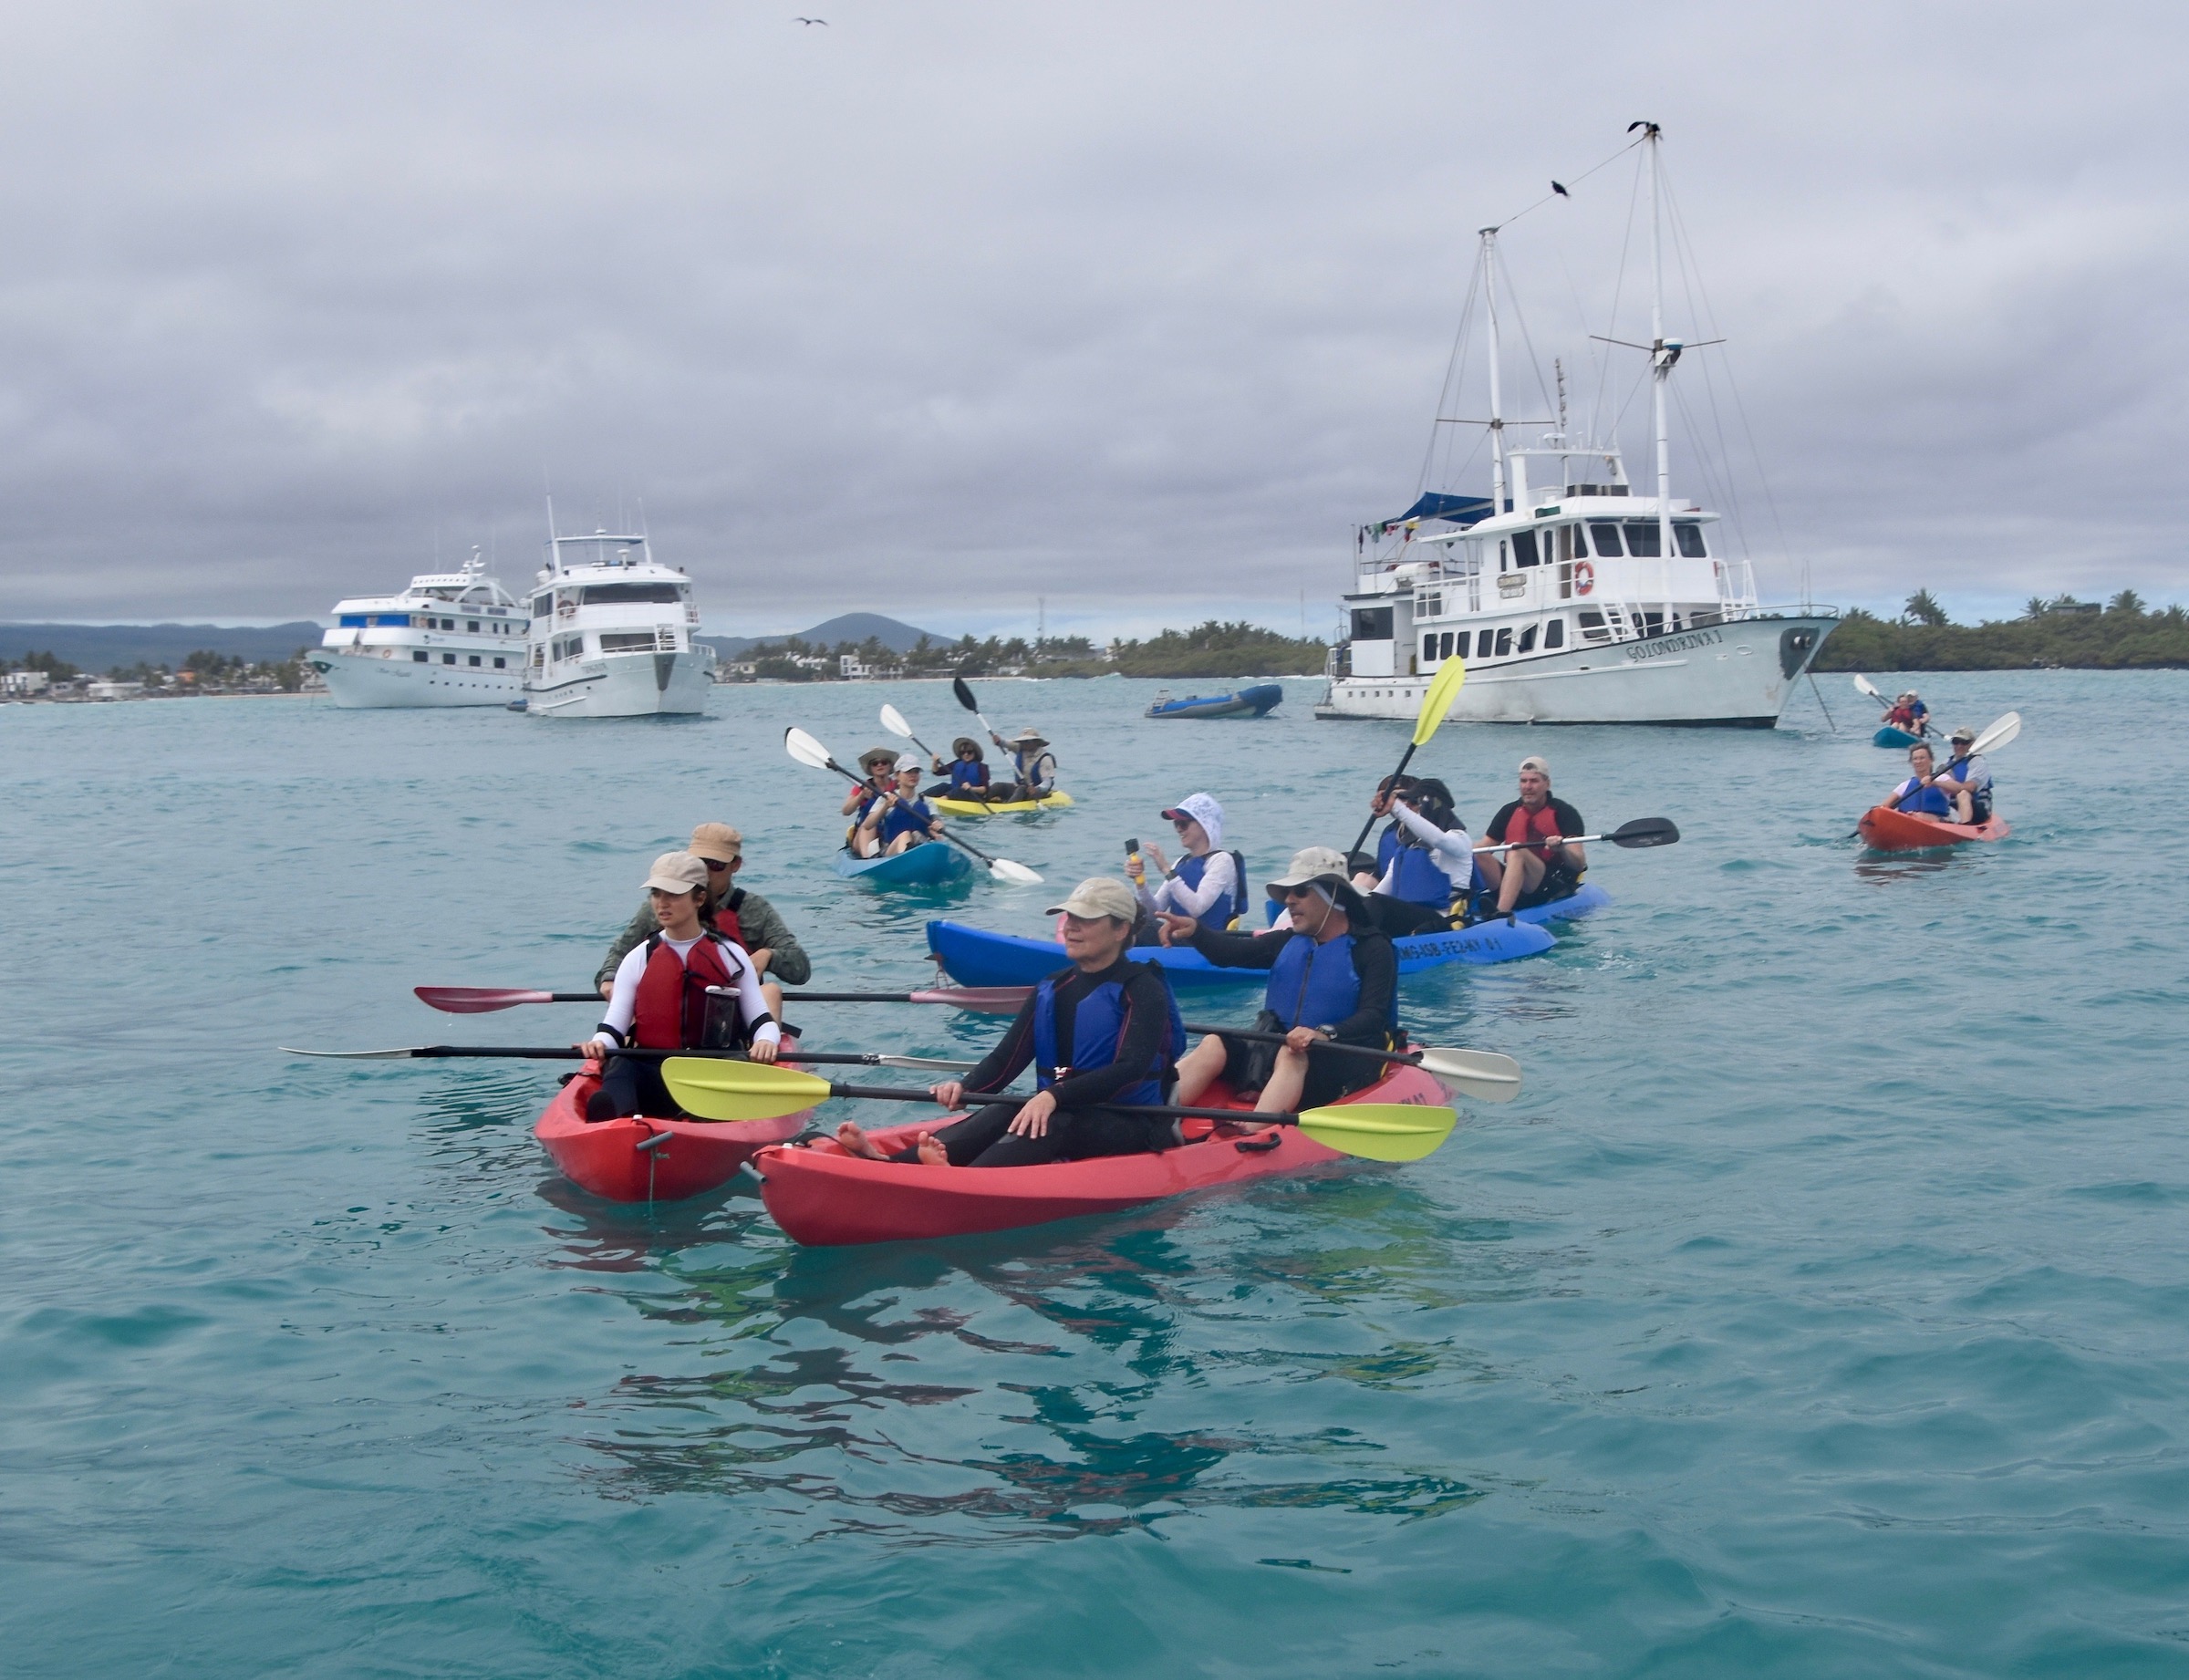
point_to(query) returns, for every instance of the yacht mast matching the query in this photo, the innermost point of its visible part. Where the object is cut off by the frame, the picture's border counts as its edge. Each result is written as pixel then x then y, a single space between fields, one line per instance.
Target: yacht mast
pixel 1662 354
pixel 1497 411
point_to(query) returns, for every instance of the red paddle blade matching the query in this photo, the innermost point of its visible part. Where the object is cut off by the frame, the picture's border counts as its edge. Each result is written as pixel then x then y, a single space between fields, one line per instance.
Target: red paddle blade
pixel 478 999
pixel 980 1000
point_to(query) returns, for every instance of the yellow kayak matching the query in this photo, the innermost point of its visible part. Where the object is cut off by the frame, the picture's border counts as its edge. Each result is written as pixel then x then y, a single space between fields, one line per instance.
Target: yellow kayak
pixel 974 807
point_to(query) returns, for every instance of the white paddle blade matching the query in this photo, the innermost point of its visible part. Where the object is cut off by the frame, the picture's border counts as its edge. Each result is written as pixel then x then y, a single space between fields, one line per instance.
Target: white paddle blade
pixel 352 1055
pixel 1482 1074
pixel 806 749
pixel 1865 686
pixel 1997 735
pixel 1018 874
pixel 894 721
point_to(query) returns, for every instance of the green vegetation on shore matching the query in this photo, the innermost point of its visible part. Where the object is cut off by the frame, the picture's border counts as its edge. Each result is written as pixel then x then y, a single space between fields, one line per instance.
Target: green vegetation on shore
pixel 1208 650
pixel 2123 634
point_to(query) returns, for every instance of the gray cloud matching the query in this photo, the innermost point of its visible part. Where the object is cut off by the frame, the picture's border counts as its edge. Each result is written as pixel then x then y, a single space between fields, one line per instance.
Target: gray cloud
pixel 1139 309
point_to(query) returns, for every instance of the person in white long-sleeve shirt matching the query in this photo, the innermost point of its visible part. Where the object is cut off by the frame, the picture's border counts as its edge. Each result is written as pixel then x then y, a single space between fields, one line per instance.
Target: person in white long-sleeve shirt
pixel 1204 884
pixel 1430 870
pixel 685 988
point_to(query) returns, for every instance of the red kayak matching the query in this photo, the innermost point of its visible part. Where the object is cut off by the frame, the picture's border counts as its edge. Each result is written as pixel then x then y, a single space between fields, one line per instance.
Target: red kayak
pixel 1884 829
pixel 822 1196
pixel 618 1159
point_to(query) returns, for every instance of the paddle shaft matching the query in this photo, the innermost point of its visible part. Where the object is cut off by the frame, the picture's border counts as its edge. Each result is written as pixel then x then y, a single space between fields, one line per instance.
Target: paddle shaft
pixel 1521 845
pixel 1406 758
pixel 898 1094
pixel 535 1052
pixel 1412 1057
pixel 882 997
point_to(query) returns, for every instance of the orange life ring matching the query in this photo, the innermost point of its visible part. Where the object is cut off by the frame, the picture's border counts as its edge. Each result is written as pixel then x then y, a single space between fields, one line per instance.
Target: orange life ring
pixel 1584 577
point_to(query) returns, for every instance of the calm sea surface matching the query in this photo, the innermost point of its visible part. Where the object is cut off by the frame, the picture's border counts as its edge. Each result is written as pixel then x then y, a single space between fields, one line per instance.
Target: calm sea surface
pixel 1818 1309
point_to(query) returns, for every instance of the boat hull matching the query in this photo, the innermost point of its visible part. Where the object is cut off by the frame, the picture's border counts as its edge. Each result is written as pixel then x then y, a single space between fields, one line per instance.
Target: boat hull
pixel 822 1198
pixel 969 807
pixel 365 681
pixel 1737 675
pixel 1883 829
pixel 607 1159
pixel 1257 701
pixel 627 685
pixel 1891 737
pixel 976 956
pixel 932 865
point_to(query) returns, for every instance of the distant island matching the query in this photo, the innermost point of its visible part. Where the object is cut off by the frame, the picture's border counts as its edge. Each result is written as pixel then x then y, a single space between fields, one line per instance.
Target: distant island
pixel 1213 650
pixel 2120 634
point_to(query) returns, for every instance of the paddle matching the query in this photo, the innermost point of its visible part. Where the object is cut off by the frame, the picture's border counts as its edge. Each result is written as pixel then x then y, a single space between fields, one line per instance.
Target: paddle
pixel 1876 693
pixel 2001 731
pixel 1444 688
pixel 1640 834
pixel 812 754
pixel 1481 1074
pixel 483 999
pixel 565 1052
pixel 894 721
pixel 754 1091
pixel 965 698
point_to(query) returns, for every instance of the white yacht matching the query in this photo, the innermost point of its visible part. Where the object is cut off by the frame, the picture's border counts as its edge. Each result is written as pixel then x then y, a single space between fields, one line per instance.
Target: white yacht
pixel 614 633
pixel 1576 603
pixel 452 639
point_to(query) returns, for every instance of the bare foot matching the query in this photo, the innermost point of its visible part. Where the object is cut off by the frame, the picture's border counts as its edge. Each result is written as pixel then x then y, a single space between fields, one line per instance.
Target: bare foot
pixel 931 1151
pixel 853 1140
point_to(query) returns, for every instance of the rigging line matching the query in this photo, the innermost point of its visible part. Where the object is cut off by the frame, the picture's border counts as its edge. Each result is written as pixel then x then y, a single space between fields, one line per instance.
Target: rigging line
pixel 1512 299
pixel 1454 369
pixel 1626 245
pixel 1713 474
pixel 1584 174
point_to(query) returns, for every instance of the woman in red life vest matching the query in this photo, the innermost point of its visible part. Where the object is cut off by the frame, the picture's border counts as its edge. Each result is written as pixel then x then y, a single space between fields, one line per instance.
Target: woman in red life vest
pixel 1537 873
pixel 662 998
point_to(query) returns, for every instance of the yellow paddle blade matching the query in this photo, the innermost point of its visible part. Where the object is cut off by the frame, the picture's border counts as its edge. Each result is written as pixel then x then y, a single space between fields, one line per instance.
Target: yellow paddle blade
pixel 718 1090
pixel 1379 1131
pixel 1444 688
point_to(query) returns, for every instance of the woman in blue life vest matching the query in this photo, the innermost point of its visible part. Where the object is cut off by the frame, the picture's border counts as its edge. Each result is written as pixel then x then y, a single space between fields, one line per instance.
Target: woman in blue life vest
pixel 1104 1031
pixel 879 766
pixel 899 819
pixel 967 772
pixel 668 994
pixel 1205 884
pixel 1333 980
pixel 1427 862
pixel 1966 781
pixel 1916 795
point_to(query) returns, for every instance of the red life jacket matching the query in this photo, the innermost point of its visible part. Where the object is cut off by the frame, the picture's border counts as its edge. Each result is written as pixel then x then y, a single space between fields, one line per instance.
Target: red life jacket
pixel 672 994
pixel 1526 825
pixel 725 918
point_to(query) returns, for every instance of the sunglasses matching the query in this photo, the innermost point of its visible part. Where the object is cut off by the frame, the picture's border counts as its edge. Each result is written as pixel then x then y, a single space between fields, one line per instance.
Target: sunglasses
pixel 715 866
pixel 1306 890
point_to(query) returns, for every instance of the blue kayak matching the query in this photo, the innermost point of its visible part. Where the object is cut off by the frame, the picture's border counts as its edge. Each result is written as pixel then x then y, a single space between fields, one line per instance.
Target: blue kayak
pixel 921 865
pixel 1891 737
pixel 975 957
pixel 1254 703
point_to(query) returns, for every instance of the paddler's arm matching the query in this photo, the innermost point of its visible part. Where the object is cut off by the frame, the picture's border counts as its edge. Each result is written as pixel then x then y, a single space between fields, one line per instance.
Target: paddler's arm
pixel 1377 965
pixel 642 928
pixel 1238 950
pixel 1012 1056
pixel 766 929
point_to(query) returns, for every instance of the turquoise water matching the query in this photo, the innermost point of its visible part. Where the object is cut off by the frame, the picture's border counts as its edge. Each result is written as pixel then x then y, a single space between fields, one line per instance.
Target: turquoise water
pixel 1818 1309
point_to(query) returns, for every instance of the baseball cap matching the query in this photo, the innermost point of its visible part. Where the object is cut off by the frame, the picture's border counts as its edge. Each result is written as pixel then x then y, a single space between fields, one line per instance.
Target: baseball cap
pixel 718 841
pixel 677 872
pixel 1540 766
pixel 1099 896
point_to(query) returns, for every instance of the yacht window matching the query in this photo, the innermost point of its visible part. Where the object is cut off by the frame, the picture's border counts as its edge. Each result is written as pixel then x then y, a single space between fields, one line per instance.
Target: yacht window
pixel 1448 644
pixel 1642 538
pixel 543 604
pixel 1523 547
pixel 1554 634
pixel 628 641
pixel 474 658
pixel 1652 623
pixel 1591 628
pixel 1687 537
pixel 1371 624
pixel 616 594
pixel 471 624
pixel 1503 554
pixel 1528 640
pixel 1606 536
pixel 501 664
pixel 1428 649
pixel 1504 642
pixel 419 656
pixel 447 658
pixel 1581 542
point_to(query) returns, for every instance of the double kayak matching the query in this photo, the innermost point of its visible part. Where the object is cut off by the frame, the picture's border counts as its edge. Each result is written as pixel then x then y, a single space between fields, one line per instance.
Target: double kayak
pixel 1252 702
pixel 1891 737
pixel 822 1196
pixel 1884 829
pixel 976 956
pixel 931 864
pixel 649 1160
pixel 1002 808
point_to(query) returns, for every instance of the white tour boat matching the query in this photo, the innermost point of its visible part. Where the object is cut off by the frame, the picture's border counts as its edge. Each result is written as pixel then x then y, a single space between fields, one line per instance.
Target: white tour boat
pixel 614 633
pixel 452 639
pixel 1581 603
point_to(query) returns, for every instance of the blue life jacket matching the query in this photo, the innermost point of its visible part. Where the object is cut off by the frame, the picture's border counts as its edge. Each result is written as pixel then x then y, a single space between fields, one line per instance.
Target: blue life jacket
pixel 1919 800
pixel 1097 1029
pixel 908 816
pixel 1420 878
pixel 1979 798
pixel 1218 916
pixel 1313 985
pixel 965 776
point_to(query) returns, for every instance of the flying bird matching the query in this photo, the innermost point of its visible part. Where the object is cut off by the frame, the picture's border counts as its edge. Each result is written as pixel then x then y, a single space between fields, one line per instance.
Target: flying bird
pixel 810 22
pixel 1560 191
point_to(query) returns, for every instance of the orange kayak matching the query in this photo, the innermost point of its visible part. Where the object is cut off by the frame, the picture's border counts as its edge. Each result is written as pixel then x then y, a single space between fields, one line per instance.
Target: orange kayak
pixel 1883 829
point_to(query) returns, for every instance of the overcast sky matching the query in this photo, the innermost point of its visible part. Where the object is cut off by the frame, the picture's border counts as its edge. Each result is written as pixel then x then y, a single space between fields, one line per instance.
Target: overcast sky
pixel 940 308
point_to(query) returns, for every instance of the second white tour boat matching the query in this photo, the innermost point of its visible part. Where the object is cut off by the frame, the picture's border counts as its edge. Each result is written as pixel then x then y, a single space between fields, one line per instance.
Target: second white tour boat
pixel 614 634
pixel 452 639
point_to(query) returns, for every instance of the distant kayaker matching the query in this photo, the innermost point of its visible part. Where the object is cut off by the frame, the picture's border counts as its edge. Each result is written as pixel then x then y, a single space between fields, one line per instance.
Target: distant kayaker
pixel 1032 766
pixel 1550 867
pixel 661 997
pixel 1428 861
pixel 1966 779
pixel 879 766
pixel 968 770
pixel 1204 884
pixel 1104 1029
pixel 1333 978
pixel 899 819
pixel 1909 715
pixel 1919 795
pixel 744 916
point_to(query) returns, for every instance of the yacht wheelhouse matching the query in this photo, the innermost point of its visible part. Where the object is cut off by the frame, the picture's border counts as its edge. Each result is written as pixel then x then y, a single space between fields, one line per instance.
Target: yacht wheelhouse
pixel 452 639
pixel 614 633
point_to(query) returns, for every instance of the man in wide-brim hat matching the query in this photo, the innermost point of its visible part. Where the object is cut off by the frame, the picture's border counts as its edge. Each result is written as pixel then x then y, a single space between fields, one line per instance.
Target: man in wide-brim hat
pixel 1033 766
